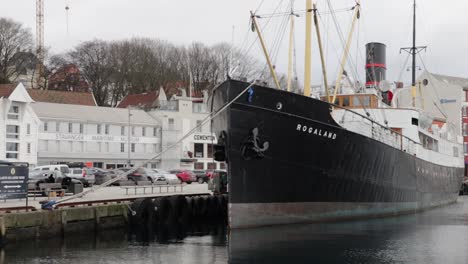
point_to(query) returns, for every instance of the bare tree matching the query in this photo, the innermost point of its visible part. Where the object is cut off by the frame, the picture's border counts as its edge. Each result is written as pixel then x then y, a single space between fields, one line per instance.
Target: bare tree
pixel 92 58
pixel 13 38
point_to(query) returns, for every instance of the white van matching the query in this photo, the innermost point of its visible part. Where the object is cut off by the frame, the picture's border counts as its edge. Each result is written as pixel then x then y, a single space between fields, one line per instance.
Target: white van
pixel 62 168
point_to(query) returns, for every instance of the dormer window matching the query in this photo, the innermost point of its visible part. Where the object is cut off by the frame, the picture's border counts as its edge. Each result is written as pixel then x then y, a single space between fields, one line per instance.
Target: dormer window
pixel 13 114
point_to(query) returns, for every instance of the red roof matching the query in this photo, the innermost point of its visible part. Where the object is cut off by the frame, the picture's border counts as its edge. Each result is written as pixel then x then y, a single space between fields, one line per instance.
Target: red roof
pixel 145 100
pixel 62 97
pixel 48 96
pixel 68 78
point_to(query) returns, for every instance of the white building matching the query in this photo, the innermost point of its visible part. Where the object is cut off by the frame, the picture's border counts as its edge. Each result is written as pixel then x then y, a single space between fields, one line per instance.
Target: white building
pixel 178 116
pixel 41 133
pixel 18 125
pixel 97 136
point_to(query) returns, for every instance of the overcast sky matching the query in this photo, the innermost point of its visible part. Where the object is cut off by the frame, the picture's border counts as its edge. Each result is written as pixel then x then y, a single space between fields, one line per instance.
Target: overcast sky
pixel 443 27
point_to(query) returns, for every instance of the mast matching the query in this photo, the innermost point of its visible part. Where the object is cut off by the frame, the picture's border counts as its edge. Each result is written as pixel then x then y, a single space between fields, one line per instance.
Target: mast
pixel 414 49
pixel 322 57
pixel 308 54
pixel 267 56
pixel 291 44
pixel 413 73
pixel 346 50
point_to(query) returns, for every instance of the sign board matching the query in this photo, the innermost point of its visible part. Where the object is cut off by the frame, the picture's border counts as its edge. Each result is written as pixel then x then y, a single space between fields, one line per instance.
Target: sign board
pixel 13 182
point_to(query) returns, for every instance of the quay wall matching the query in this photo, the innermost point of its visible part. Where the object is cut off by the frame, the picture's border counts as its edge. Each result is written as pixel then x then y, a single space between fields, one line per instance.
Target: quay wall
pixel 60 222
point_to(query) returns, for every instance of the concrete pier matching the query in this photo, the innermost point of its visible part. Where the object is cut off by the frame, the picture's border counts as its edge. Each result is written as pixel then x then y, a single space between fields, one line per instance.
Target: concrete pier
pixel 43 224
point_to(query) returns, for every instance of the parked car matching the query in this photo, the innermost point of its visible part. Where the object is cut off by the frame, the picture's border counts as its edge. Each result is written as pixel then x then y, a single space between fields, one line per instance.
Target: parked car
pixel 136 177
pixel 83 176
pixel 201 175
pixel 170 178
pixel 61 167
pixel 152 176
pixel 185 175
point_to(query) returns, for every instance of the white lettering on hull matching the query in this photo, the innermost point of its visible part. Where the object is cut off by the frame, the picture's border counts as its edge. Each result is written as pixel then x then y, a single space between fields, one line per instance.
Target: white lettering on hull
pixel 316 132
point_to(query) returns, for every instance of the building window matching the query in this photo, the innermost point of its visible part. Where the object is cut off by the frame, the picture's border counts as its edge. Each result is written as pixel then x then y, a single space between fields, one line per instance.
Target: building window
pixel 464 111
pixel 133 131
pixel 13 113
pixel 133 147
pixel 210 150
pixel 70 127
pixel 122 130
pixel 106 129
pixel 12 132
pixel 465 147
pixel 199 125
pixel 12 150
pixel 155 131
pixel 171 123
pixel 29 148
pixel 465 129
pixel 198 150
pixel 46 126
pixel 199 165
pixel 98 129
pixel 222 166
pixel 57 126
pixel 211 166
pixel 122 147
pixel 28 129
pixel 81 129
pixel 143 131
pixel 455 151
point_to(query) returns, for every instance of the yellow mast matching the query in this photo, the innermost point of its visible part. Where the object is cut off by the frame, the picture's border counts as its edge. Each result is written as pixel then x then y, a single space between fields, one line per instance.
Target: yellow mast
pixel 291 43
pixel 308 43
pixel 267 56
pixel 322 57
pixel 346 50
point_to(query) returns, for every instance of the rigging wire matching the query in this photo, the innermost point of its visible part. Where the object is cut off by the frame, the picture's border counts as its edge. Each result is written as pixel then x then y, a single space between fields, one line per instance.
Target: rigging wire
pixel 443 112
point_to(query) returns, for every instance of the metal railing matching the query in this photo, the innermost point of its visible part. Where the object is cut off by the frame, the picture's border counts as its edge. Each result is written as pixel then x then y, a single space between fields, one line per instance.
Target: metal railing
pixel 361 124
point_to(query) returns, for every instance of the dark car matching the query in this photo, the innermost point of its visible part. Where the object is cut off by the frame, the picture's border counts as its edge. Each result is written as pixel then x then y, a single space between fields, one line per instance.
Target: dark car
pixel 134 176
pixel 185 176
pixel 201 175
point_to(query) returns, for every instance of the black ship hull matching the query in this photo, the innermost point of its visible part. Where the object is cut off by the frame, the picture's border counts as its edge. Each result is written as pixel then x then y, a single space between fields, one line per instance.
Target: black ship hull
pixel 290 162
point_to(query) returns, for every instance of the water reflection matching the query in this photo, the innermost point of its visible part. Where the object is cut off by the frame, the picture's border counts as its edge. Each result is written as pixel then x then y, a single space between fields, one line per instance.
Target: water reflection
pixel 198 242
pixel 437 236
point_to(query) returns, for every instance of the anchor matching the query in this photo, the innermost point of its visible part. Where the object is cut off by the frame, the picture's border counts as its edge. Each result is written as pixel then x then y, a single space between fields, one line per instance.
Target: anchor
pixel 251 148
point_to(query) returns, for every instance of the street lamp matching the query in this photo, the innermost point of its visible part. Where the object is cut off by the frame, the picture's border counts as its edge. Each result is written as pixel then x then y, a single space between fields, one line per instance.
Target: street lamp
pixel 129 143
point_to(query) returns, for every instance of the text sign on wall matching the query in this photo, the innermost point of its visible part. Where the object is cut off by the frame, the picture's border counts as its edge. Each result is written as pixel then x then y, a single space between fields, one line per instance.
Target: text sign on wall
pixel 13 182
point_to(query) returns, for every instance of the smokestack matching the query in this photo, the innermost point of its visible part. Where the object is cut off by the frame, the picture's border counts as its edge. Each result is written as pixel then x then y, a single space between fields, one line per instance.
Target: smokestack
pixel 376 67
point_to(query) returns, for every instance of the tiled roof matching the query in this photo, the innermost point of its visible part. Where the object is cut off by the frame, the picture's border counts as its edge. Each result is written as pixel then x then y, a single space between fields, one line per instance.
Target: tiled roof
pixel 144 100
pixel 96 114
pixel 61 97
pixel 48 96
pixel 6 89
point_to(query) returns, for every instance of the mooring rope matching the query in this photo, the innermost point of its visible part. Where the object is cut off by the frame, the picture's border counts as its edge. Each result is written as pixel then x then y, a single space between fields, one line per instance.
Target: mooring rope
pixel 207 119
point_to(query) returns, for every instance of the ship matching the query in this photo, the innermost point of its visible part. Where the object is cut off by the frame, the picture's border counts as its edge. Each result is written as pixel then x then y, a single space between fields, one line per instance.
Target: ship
pixel 296 159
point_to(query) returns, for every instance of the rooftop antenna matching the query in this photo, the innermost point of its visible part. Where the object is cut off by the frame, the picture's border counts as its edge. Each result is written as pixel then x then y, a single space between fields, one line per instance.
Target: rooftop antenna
pixel 67 8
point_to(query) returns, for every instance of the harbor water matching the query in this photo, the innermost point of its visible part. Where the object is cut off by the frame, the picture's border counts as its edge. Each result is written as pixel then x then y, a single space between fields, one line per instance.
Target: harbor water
pixel 436 236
